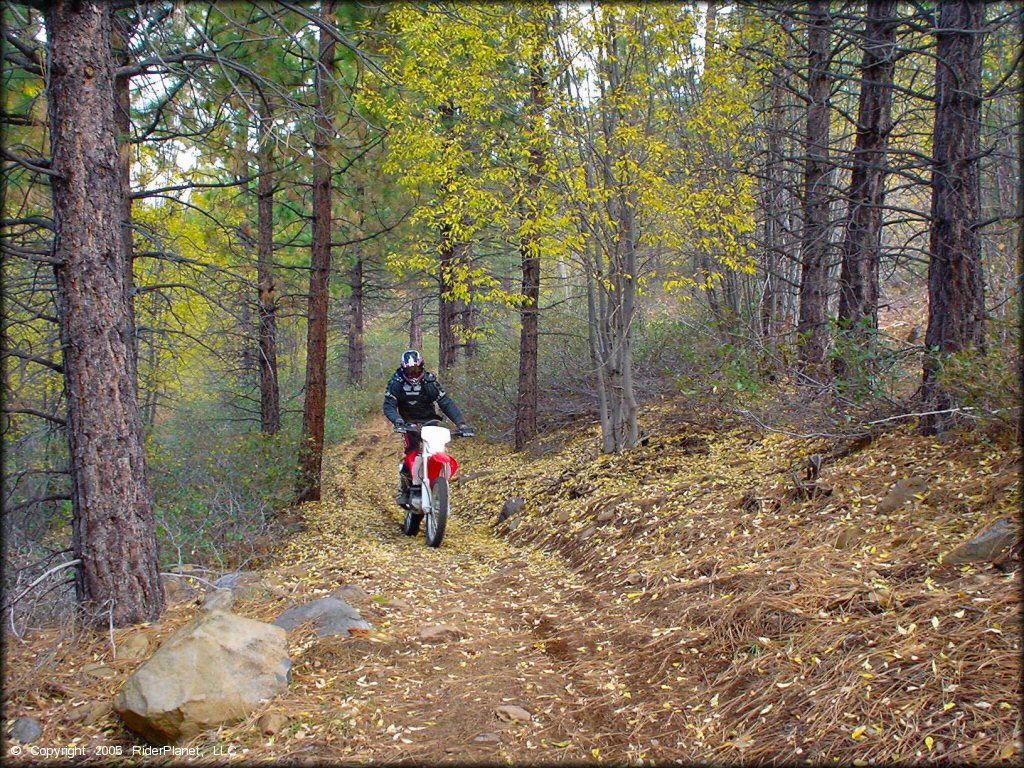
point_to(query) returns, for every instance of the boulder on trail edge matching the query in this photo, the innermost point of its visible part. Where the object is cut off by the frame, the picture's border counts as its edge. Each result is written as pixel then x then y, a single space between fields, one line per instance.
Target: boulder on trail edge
pixel 26 730
pixel 990 545
pixel 214 670
pixel 330 615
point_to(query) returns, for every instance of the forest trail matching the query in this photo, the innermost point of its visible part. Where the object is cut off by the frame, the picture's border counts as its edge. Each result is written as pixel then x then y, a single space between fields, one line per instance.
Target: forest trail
pixel 684 601
pixel 530 634
pixel 675 603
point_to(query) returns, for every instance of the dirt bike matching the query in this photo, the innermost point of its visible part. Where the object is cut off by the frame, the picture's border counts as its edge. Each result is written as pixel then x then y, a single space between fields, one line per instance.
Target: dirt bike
pixel 431 502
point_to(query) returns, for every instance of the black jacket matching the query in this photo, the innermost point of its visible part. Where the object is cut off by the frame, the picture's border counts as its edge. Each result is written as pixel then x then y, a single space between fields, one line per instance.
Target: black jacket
pixel 415 401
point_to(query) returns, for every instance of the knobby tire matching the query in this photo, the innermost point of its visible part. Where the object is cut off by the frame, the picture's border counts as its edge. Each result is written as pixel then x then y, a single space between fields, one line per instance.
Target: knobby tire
pixel 438 517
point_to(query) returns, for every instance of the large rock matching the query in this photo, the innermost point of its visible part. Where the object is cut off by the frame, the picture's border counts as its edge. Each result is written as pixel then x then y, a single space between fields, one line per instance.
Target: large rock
pixel 26 730
pixel 990 545
pixel 214 670
pixel 901 493
pixel 330 616
pixel 219 600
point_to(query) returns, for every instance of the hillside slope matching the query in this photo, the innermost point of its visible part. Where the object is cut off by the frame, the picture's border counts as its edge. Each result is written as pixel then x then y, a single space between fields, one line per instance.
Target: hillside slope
pixel 691 600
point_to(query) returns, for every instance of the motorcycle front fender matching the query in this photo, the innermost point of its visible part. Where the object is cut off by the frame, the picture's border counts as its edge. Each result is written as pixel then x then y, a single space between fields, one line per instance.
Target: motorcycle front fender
pixel 441 465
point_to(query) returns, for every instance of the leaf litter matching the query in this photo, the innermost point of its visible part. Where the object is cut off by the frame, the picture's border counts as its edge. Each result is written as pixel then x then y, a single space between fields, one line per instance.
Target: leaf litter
pixel 677 602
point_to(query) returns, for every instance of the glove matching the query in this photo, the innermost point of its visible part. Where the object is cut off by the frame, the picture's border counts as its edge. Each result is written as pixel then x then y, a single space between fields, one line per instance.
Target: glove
pixel 466 430
pixel 400 425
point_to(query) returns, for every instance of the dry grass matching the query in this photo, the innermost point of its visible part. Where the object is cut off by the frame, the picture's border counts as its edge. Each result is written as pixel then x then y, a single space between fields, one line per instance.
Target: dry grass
pixel 760 639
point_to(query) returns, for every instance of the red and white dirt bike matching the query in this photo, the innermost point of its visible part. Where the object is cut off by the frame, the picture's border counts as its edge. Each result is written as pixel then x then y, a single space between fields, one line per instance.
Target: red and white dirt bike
pixel 431 503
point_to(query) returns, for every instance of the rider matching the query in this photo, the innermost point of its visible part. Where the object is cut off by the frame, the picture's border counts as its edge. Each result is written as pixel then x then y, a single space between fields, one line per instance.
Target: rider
pixel 410 396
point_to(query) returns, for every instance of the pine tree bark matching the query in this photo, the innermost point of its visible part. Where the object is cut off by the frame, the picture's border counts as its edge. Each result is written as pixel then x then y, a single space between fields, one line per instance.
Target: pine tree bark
pixel 314 410
pixel 270 393
pixel 416 323
pixel 817 170
pixel 113 531
pixel 956 285
pixel 123 28
pixel 862 245
pixel 356 326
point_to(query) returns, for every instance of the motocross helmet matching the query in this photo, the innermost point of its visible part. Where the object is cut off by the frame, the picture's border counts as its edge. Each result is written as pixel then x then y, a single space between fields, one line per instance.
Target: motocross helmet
pixel 412 365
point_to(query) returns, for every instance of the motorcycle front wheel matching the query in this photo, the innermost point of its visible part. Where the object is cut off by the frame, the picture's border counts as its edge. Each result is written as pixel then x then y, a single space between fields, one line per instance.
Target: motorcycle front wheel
pixel 437 518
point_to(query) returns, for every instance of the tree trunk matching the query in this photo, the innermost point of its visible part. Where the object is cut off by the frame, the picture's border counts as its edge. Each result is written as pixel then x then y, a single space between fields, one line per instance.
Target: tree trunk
pixel 596 342
pixel 356 362
pixel 620 309
pixel 469 318
pixel 956 285
pixel 862 246
pixel 123 28
pixel 814 272
pixel 113 531
pixel 526 402
pixel 314 411
pixel 356 338
pixel 448 307
pixel 416 324
pixel 270 394
pixel 773 197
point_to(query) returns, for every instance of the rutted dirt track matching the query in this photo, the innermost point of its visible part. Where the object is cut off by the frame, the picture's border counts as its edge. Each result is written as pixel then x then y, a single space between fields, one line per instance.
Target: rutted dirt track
pixel 530 634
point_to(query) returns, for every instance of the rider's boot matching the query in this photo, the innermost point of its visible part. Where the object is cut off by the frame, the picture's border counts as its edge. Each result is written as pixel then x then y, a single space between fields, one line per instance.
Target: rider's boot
pixel 404 484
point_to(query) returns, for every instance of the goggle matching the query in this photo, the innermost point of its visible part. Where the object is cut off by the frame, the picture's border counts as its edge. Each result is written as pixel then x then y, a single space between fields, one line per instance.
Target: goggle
pixel 413 371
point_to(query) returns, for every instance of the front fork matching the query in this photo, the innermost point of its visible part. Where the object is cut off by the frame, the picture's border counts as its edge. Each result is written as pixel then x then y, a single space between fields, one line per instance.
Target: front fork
pixel 416 500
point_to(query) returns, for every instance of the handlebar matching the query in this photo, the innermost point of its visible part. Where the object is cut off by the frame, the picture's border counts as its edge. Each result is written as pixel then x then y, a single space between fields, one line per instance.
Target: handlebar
pixel 415 429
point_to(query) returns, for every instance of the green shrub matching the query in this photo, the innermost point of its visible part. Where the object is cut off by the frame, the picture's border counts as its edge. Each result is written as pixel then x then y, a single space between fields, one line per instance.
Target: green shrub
pixel 216 483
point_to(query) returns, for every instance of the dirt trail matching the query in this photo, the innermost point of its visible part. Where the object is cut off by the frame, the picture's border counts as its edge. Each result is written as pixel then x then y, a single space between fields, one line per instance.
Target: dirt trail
pixel 531 635
pixel 690 621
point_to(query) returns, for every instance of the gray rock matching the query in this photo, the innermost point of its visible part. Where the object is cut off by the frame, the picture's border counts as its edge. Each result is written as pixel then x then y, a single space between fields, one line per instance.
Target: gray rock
pixel 850 537
pixel 26 730
pixel 234 580
pixel 214 670
pixel 901 493
pixel 440 633
pixel 242 583
pixel 487 738
pixel 351 593
pixel 133 647
pixel 511 507
pixel 219 600
pixel 89 713
pixel 512 714
pixel 98 671
pixel 990 545
pixel 330 615
pixel 271 723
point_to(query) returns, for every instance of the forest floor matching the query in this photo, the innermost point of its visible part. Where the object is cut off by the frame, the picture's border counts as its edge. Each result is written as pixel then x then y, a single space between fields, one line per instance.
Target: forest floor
pixel 691 600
